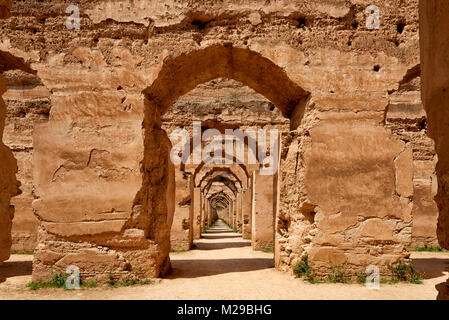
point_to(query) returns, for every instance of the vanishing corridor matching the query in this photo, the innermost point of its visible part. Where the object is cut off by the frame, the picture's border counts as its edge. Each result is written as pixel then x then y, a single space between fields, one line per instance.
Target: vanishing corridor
pixel 220 253
pixel 224 266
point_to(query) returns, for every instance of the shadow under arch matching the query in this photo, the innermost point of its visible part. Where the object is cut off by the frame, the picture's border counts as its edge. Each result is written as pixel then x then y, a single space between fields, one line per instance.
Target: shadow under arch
pixel 220 176
pixel 183 73
pixel 198 174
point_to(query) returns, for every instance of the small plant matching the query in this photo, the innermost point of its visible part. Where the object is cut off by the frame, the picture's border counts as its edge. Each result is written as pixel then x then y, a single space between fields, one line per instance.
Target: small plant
pixel 128 282
pixel 58 281
pixel 336 276
pixel 111 281
pixel 33 286
pixel 89 284
pixel 391 281
pixel 405 272
pixel 361 278
pixel 268 250
pixel 302 269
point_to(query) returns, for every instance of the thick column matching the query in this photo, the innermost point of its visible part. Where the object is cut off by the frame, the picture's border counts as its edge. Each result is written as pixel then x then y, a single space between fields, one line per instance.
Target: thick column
pixel 434 30
pixel 181 235
pixel 263 215
pixel 8 185
pixel 234 214
pixel 238 201
pixel 196 207
pixel 203 211
pixel 246 213
pixel 206 214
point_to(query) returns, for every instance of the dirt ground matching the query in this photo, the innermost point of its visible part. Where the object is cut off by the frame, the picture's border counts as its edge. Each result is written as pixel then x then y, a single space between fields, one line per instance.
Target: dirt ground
pixel 223 266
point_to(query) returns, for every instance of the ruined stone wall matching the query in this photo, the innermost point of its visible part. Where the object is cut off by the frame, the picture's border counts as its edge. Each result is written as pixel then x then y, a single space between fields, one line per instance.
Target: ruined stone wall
pixel 407 120
pixel 434 55
pixel 181 235
pixel 28 104
pixel 435 94
pixel 8 166
pixel 100 193
pixel 8 186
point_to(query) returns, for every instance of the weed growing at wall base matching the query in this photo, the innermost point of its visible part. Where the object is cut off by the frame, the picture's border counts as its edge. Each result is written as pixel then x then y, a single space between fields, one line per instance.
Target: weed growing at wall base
pixel 427 248
pixel 22 252
pixel 406 272
pixel 302 269
pixel 128 282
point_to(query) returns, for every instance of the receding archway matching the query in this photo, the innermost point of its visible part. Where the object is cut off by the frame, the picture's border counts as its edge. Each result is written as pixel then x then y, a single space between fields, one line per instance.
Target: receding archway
pixel 183 73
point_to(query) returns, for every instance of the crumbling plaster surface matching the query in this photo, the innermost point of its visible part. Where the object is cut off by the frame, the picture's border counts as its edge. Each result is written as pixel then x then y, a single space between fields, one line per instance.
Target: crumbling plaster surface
pixel 93 147
pixel 434 27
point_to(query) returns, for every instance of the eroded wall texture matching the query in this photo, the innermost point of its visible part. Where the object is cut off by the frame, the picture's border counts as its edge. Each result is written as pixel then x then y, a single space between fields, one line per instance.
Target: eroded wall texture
pixel 435 92
pixel 353 171
pixel 8 166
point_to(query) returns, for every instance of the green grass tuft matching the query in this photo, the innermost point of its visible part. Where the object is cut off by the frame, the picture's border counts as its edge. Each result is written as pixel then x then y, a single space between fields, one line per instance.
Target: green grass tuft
pixel 404 272
pixel 361 278
pixel 337 275
pixel 426 248
pixel 58 281
pixel 22 252
pixel 302 270
pixel 89 284
pixel 131 281
pixel 178 251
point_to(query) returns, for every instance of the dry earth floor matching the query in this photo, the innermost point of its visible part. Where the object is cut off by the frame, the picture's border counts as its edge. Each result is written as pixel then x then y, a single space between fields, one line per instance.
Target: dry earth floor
pixel 223 266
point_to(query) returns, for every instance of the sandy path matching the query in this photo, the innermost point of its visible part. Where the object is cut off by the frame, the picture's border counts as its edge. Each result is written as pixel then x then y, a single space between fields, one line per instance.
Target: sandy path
pixel 223 266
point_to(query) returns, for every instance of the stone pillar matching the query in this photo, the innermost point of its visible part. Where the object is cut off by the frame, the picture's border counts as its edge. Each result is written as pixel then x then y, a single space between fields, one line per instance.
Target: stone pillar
pixel 206 214
pixel 246 213
pixel 263 215
pixel 8 185
pixel 209 214
pixel 233 213
pixel 196 207
pixel 434 29
pixel 181 236
pixel 204 211
pixel 238 201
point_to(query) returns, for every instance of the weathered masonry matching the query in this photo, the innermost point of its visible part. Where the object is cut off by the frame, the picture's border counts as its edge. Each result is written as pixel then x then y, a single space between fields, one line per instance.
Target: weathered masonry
pixel 88 115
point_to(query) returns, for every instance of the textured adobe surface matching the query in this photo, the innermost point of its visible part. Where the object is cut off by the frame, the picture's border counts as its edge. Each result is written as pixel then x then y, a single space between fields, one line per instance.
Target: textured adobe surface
pixel 356 166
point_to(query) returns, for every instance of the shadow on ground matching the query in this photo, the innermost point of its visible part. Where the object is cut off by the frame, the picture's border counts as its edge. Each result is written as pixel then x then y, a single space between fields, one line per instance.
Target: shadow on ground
pixel 216 238
pixel 432 267
pixel 203 268
pixel 219 230
pixel 222 236
pixel 221 245
pixel 16 268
